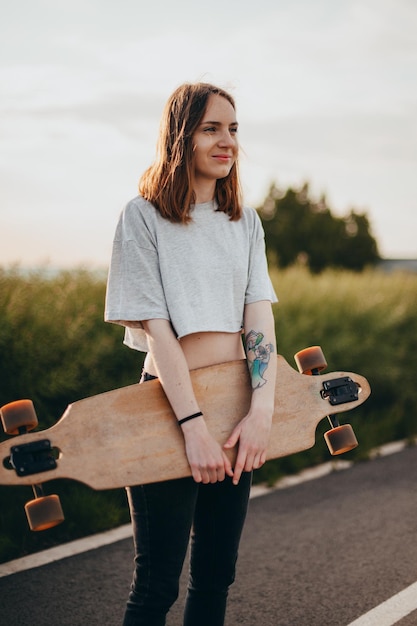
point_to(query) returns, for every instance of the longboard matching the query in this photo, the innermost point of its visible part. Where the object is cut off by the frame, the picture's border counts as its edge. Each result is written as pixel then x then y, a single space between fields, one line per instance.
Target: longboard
pixel 130 435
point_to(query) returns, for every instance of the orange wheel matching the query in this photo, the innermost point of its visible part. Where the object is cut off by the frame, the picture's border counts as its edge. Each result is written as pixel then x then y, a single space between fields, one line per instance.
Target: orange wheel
pixel 340 439
pixel 45 512
pixel 19 414
pixel 310 359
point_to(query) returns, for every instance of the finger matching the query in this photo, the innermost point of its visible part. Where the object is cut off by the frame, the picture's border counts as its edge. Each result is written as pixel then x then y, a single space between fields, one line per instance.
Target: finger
pixel 259 459
pixel 216 471
pixel 257 462
pixel 233 439
pixel 239 467
pixel 207 473
pixel 227 466
pixel 237 474
pixel 205 478
pixel 262 458
pixel 221 473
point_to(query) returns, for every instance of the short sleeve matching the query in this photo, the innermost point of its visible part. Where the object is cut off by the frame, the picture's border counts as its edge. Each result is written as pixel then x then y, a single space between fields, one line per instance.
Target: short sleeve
pixel 134 289
pixel 259 285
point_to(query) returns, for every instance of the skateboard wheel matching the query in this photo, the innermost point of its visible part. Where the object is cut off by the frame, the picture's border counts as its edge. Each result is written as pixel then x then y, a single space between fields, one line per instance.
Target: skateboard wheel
pixel 17 415
pixel 43 513
pixel 310 360
pixel 340 439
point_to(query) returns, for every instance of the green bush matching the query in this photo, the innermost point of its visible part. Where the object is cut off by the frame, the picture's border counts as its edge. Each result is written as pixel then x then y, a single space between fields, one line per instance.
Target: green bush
pixel 54 344
pixel 56 349
pixel 365 323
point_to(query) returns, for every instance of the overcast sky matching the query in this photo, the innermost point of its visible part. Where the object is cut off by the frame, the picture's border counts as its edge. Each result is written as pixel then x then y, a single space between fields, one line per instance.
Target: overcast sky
pixel 326 91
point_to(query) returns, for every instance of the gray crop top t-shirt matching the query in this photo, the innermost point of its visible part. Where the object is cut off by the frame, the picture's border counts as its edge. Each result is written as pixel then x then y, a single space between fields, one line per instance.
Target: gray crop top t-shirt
pixel 198 276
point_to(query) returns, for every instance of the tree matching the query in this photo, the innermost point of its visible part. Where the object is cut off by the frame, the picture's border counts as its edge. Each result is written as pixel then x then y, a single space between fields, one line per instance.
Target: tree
pixel 297 229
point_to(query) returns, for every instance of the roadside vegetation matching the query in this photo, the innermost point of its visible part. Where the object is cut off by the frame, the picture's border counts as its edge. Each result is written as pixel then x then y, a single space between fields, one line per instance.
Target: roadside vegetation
pixel 56 349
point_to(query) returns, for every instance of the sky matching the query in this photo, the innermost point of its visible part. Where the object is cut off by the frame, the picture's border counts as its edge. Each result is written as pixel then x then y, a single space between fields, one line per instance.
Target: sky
pixel 326 92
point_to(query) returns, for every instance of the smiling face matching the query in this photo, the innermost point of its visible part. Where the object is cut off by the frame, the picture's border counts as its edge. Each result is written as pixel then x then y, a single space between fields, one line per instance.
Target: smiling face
pixel 215 146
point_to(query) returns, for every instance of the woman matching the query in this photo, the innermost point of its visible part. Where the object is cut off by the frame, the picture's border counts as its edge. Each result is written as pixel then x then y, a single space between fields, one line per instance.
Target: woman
pixel 188 275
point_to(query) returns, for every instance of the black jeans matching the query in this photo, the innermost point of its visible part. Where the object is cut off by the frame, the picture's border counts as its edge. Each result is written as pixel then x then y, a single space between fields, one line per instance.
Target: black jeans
pixel 163 515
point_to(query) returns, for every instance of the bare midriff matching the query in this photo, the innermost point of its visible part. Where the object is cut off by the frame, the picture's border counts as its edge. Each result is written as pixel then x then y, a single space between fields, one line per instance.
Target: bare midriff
pixel 203 349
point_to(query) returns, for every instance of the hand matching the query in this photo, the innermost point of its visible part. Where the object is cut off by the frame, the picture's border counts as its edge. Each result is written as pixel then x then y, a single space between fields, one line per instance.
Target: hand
pixel 208 462
pixel 252 433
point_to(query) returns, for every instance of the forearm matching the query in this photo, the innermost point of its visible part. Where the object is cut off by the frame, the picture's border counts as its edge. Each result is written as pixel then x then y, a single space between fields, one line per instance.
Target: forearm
pixel 261 349
pixel 171 367
pixel 253 431
pixel 207 460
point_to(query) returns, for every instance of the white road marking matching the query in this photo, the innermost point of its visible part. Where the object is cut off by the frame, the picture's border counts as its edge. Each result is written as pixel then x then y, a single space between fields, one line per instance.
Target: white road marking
pixel 65 550
pixel 391 611
pixel 123 532
pixel 92 542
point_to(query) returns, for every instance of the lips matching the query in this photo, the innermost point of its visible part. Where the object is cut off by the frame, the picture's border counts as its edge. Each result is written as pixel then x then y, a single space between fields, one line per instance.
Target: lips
pixel 223 158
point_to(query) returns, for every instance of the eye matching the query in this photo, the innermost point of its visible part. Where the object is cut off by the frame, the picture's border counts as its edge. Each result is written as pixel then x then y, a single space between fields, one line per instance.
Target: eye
pixel 209 129
pixel 233 130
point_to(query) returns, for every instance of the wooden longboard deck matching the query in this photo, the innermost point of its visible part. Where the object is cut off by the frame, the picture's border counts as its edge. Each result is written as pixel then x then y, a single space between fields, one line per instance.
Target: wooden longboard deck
pixel 130 436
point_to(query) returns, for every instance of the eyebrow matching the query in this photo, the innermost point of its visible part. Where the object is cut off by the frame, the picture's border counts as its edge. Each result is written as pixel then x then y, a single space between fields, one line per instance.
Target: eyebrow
pixel 203 123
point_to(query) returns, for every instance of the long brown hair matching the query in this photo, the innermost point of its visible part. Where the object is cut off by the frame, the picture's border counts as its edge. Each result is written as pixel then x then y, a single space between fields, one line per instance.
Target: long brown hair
pixel 168 183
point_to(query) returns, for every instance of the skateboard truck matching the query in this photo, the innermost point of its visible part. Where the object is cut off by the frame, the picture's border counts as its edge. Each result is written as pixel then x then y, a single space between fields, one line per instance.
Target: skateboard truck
pixel 339 390
pixel 340 438
pixel 32 458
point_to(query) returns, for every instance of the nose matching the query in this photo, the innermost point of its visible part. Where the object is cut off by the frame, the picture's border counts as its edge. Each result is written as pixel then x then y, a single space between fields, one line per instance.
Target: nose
pixel 227 139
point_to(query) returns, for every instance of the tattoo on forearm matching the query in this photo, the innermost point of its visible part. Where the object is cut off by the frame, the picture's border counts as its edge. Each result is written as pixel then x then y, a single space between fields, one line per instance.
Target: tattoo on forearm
pixel 258 355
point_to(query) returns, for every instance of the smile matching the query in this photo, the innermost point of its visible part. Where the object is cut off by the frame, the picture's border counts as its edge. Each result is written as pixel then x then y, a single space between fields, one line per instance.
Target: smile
pixel 224 158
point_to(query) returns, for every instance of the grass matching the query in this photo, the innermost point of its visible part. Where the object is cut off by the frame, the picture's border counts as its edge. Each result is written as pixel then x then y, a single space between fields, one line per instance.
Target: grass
pixel 56 349
pixel 365 323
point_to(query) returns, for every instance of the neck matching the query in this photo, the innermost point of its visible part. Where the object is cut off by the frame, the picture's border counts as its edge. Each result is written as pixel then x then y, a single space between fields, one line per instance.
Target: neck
pixel 204 191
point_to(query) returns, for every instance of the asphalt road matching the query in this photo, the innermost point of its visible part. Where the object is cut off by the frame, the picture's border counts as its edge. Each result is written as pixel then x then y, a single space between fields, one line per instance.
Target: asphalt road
pixel 321 553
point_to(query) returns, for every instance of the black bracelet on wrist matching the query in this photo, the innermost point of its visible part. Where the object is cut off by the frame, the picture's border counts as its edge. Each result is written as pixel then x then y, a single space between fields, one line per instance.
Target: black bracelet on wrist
pixel 190 417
